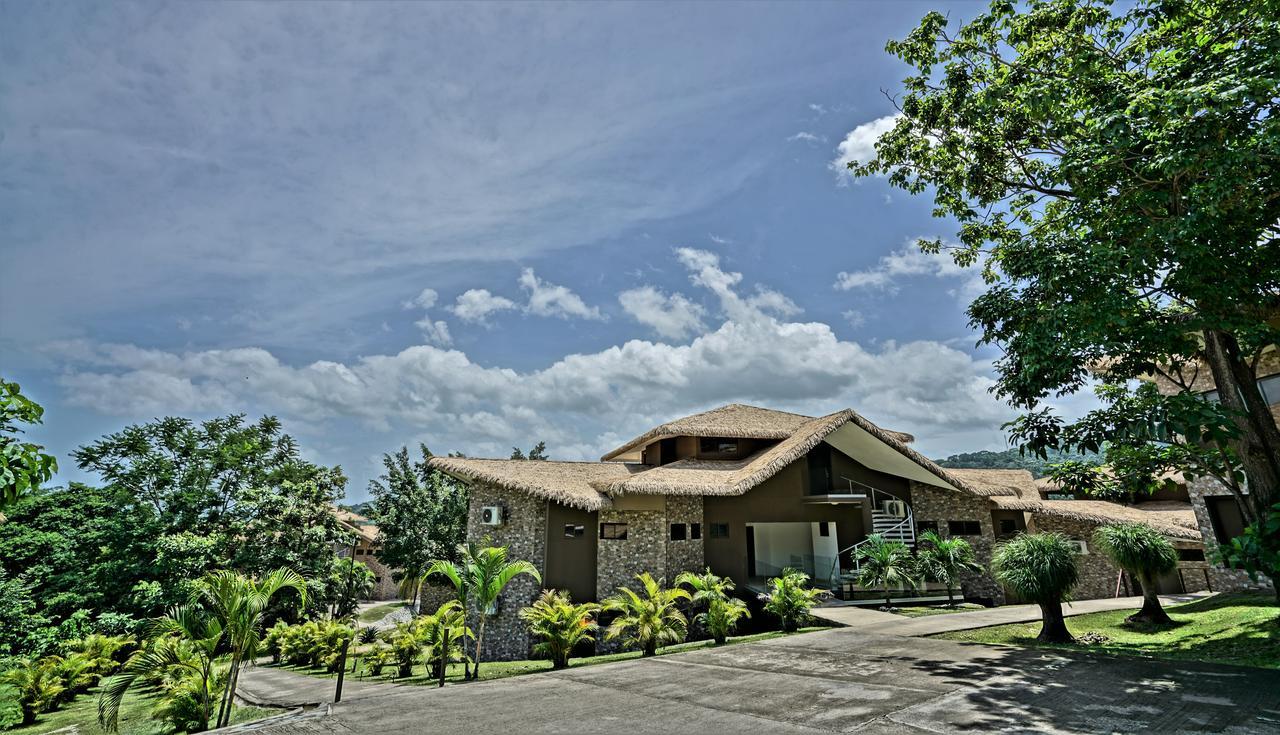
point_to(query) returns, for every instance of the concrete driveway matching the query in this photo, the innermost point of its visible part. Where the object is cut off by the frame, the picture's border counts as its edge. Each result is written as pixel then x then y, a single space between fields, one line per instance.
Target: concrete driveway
pixel 834 681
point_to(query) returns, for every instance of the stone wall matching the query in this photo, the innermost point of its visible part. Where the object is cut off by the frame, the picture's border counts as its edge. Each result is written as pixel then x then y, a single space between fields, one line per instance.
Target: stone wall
pixel 524 533
pixel 937 505
pixel 687 555
pixel 618 561
pixel 1097 574
pixel 1221 579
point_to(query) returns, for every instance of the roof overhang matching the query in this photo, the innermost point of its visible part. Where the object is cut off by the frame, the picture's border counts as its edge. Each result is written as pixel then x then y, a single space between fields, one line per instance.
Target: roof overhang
pixel 861 445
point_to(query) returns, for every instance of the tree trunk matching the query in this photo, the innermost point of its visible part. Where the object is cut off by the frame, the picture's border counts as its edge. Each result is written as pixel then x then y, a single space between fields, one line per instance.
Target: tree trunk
pixel 1152 611
pixel 951 601
pixel 224 705
pixel 1054 627
pixel 444 658
pixel 475 670
pixel 650 648
pixel 1259 443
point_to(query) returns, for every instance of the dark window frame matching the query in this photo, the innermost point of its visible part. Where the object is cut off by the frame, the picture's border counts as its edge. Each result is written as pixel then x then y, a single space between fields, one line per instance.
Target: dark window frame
pixel 718 530
pixel 695 531
pixel 824 529
pixel 574 530
pixel 613 531
pixel 964 528
pixel 923 527
pixel 679 532
pixel 717 445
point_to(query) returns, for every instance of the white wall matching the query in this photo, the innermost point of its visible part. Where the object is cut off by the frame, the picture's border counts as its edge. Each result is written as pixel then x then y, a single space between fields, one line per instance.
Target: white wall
pixel 780 545
pixel 825 550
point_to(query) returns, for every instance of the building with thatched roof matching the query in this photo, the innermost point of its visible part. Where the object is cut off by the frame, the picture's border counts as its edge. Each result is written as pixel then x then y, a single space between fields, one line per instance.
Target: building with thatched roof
pixel 749 491
pixel 364 546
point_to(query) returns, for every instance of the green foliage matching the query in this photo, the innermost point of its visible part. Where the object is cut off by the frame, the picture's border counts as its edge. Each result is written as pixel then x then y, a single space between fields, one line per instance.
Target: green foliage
pixel 559 625
pixel 378 657
pixel 273 641
pixel 443 633
pixel 723 612
pixel 23 466
pixel 315 643
pixel 488 574
pixel 21 627
pixel 539 452
pixel 1111 171
pixel 1137 548
pixel 38 684
pixel 406 648
pixel 103 652
pixel 1257 550
pixel 647 621
pixel 349 582
pixel 886 564
pixel 945 560
pixel 1015 459
pixel 790 598
pixel 421 514
pixel 1037 566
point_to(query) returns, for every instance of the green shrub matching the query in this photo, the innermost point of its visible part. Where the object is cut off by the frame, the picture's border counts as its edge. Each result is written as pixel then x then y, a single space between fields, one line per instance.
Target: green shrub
pixel 790 599
pixel 37 684
pixel 377 658
pixel 559 625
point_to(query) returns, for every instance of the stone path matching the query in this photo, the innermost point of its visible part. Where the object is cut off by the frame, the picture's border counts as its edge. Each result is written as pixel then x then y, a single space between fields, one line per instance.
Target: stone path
pixel 874 621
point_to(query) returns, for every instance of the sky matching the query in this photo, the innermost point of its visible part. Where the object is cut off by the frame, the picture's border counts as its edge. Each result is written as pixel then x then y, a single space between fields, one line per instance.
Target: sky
pixel 472 226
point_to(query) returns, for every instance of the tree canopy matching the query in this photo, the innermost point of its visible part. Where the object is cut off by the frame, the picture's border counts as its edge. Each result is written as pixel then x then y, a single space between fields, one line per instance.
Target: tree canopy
pixel 23 465
pixel 421 513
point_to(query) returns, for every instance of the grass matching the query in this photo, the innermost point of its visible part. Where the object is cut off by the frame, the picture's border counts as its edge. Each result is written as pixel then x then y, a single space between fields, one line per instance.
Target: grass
pixel 504 669
pixel 920 611
pixel 1240 629
pixel 378 612
pixel 81 715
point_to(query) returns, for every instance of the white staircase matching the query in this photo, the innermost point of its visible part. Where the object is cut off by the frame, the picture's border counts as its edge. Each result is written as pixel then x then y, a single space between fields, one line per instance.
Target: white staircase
pixel 891 519
pixel 894 527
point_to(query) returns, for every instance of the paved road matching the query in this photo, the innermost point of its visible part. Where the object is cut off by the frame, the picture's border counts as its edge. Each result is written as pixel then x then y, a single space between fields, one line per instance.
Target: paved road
pixel 834 681
pixel 874 621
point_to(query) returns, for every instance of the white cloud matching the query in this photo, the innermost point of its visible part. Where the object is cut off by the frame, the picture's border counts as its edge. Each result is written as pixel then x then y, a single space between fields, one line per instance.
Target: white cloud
pixel 705 271
pixel 435 332
pixel 909 261
pixel 854 317
pixel 860 144
pixel 674 317
pixel 548 299
pixel 820 109
pixel 718 239
pixel 475 305
pixel 806 137
pixel 424 300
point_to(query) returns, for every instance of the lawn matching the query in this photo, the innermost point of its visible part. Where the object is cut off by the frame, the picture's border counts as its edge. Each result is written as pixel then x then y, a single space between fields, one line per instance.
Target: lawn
pixel 920 611
pixel 1240 629
pixel 503 669
pixel 81 715
pixel 378 612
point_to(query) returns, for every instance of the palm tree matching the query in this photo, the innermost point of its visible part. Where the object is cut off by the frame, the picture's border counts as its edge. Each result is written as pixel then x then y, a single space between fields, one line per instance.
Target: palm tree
pixel 444 632
pixel 186 644
pixel 490 573
pixel 723 612
pixel 648 621
pixel 239 601
pixel 36 685
pixel 1040 567
pixel 945 559
pixel 560 625
pixel 1145 553
pixel 790 598
pixel 461 580
pixel 886 564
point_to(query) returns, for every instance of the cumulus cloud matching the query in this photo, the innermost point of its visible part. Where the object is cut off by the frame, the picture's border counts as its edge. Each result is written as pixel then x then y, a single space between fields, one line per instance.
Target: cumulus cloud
pixel 909 261
pixel 674 317
pixel 436 332
pixel 548 299
pixel 705 271
pixel 477 304
pixel 860 144
pixel 806 137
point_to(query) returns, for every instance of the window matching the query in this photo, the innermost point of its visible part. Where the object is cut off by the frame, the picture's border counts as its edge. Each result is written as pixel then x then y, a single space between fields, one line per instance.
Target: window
pixel 679 532
pixel 613 531
pixel 695 531
pixel 1270 387
pixel 964 528
pixel 719 530
pixel 823 529
pixel 1225 516
pixel 1191 554
pixel 574 531
pixel 926 526
pixel 1008 527
pixel 717 445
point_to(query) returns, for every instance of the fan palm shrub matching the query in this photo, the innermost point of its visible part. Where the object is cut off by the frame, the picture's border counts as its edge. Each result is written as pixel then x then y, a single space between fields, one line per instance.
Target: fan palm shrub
pixel 650 620
pixel 559 625
pixel 443 633
pixel 103 651
pixel 406 648
pixel 790 598
pixel 723 612
pixel 37 686
pixel 239 602
pixel 185 644
pixel 887 565
pixel 490 572
pixel 77 673
pixel 944 560
pixel 1040 567
pixel 1145 553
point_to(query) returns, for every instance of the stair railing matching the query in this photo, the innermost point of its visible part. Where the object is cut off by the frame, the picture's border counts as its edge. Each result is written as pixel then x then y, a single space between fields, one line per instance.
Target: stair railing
pixel 907 522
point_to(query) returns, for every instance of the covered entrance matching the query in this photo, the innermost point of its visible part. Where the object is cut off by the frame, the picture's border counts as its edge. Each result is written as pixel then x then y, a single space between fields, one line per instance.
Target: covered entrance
pixel 810 546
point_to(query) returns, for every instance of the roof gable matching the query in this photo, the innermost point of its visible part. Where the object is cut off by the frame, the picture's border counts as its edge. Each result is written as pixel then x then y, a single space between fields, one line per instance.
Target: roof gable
pixel 736 420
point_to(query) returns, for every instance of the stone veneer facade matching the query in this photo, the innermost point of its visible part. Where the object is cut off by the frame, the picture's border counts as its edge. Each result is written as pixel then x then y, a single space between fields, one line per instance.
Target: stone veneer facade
pixel 931 504
pixel 524 533
pixel 1221 578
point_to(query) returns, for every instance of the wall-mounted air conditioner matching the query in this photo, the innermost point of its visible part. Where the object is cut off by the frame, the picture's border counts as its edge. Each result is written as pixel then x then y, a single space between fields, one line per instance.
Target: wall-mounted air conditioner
pixel 895 508
pixel 491 515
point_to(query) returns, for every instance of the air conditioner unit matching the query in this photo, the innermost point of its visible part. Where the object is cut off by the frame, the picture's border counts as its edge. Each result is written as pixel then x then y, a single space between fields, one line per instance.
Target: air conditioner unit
pixel 491 515
pixel 895 508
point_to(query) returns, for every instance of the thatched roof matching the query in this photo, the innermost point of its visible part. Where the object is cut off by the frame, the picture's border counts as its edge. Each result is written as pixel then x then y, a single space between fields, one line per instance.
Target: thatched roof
pixel 735 420
pixel 362 526
pixel 988 483
pixel 568 483
pixel 1174 522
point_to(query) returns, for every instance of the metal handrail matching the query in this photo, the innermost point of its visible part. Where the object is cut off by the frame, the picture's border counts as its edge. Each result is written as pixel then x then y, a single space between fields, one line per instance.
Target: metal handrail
pixel 906 521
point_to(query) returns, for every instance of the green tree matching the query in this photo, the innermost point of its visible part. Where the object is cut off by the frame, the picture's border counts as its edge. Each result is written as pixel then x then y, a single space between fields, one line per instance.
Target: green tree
pixel 1040 567
pixel 23 466
pixel 886 564
pixel 1145 553
pixel 647 621
pixel 349 582
pixel 559 625
pixel 1113 172
pixel 539 452
pixel 945 560
pixel 37 685
pixel 421 515
pixel 457 576
pixel 723 612
pixel 790 598
pixel 444 633
pixel 489 573
pixel 22 629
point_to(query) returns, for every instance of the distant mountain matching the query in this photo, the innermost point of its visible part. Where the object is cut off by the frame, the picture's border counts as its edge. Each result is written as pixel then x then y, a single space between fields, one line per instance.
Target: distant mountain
pixel 363 509
pixel 1010 459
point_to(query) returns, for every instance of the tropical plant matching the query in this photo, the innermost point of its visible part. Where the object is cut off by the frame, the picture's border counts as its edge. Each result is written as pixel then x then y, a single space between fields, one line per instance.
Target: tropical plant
pixel 367 635
pixel 444 633
pixel 102 651
pixel 406 648
pixel 1145 553
pixel 23 465
pixel 458 576
pixel 184 644
pixel 1040 567
pixel 182 705
pixel 37 686
pixel 945 560
pixel 77 673
pixel 790 598
pixel 723 612
pixel 490 573
pixel 887 565
pixel 647 621
pixel 376 658
pixel 559 625
pixel 350 580
pixel 239 601
pixel 1257 550
pixel 273 641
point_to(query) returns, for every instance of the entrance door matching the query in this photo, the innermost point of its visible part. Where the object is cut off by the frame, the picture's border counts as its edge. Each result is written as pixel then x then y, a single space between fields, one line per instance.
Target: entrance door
pixel 571 552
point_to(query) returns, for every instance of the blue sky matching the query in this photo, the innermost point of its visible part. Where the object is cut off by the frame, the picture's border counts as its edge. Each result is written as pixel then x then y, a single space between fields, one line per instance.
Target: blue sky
pixel 473 226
